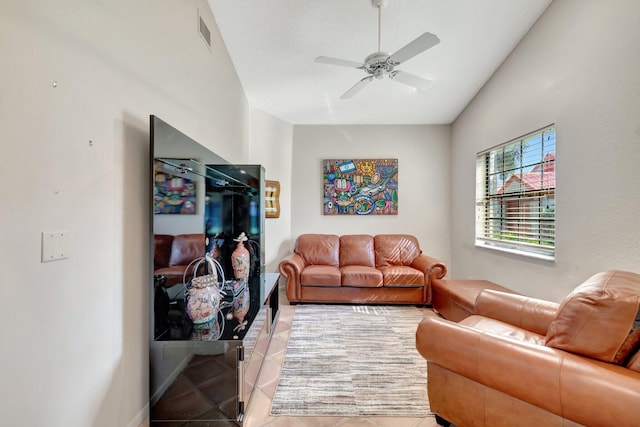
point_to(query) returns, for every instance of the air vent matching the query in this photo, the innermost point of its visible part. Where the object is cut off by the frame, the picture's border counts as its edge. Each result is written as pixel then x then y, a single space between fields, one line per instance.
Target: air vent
pixel 204 30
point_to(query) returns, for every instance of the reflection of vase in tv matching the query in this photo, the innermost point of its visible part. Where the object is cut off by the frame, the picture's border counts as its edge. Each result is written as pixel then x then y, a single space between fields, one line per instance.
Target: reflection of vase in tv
pixel 215 251
pixel 240 258
pixel 241 301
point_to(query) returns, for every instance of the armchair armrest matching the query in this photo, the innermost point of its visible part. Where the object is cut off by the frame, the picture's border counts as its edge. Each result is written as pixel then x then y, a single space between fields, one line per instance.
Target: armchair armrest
pixel 549 378
pixel 291 267
pixel 532 314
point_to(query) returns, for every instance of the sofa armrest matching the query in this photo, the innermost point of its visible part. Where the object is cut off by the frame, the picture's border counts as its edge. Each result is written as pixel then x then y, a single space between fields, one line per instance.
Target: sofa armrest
pixel 581 389
pixel 532 314
pixel 432 269
pixel 290 268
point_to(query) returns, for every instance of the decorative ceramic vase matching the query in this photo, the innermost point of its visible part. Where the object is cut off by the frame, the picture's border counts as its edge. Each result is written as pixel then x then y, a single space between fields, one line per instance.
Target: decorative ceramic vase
pixel 203 303
pixel 240 258
pixel 203 297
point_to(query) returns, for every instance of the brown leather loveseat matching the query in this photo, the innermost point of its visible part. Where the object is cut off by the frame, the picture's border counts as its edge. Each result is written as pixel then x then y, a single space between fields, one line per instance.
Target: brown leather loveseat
pixel 172 255
pixel 359 268
pixel 520 361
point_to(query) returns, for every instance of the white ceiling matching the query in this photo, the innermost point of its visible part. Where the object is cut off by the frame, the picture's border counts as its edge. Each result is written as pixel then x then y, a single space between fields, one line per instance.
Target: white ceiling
pixel 273 44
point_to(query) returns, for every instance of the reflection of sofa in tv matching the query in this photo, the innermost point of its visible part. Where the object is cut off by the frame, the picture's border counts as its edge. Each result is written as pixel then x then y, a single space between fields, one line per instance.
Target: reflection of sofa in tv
pixel 172 255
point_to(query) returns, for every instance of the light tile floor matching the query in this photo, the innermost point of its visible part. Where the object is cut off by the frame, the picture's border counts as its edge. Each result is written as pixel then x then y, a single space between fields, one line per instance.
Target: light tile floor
pixel 198 393
pixel 259 407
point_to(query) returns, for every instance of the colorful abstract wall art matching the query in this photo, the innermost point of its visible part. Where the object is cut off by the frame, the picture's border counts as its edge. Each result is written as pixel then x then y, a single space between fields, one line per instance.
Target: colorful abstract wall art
pixel 360 186
pixel 173 194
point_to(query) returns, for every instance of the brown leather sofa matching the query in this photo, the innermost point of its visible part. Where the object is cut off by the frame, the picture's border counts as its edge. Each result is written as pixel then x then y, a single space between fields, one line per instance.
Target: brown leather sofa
pixel 359 268
pixel 520 361
pixel 172 255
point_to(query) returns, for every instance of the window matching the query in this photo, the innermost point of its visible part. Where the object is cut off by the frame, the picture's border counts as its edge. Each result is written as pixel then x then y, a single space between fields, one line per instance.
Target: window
pixel 515 195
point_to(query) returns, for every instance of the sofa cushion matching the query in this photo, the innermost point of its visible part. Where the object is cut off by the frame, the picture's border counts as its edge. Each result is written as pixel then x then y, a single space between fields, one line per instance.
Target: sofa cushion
pixel 401 276
pixel 357 249
pixel 395 249
pixel 361 276
pixel 319 249
pixel 600 318
pixel 162 250
pixel 320 275
pixel 186 247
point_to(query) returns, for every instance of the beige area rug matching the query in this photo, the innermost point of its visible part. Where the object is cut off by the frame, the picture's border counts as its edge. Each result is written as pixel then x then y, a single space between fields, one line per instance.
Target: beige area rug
pixel 353 361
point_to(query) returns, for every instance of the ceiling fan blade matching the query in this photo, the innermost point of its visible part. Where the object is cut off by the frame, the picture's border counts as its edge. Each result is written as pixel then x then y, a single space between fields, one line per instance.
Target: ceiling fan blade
pixel 419 45
pixel 338 61
pixel 357 87
pixel 411 80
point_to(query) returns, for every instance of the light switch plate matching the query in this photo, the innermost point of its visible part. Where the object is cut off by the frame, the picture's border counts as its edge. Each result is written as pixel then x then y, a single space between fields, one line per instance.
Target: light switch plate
pixel 55 245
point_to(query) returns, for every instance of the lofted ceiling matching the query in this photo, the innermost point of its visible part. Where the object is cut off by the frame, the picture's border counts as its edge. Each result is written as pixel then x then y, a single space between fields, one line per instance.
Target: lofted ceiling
pixel 273 45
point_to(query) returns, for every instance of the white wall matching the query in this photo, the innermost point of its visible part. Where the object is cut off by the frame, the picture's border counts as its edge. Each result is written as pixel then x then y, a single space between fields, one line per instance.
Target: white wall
pixel 579 67
pixel 423 155
pixel 270 142
pixel 75 157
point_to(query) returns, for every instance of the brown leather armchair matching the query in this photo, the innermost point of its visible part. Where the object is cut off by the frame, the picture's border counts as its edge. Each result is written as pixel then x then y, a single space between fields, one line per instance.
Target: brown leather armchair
pixel 520 361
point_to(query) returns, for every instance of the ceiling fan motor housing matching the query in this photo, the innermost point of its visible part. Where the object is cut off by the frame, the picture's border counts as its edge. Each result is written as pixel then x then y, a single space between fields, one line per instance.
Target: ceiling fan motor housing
pixel 377 65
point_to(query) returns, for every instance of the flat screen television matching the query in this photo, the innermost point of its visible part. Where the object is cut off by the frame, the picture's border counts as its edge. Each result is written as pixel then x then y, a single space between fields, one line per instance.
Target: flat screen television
pixel 201 204
pixel 197 192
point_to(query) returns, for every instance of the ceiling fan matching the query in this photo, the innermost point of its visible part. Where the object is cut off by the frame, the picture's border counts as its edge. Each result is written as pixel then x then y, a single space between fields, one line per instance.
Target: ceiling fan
pixel 379 64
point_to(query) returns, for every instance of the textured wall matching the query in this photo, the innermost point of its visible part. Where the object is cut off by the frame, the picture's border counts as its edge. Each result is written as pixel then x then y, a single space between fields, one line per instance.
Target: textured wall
pixel 76 158
pixel 578 67
pixel 270 141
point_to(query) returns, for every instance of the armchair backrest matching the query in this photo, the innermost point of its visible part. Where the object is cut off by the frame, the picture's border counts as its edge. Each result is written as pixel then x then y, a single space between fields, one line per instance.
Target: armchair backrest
pixel 600 319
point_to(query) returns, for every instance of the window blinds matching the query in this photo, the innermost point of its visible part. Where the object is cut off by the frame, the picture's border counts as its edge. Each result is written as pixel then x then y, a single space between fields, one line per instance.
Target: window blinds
pixel 515 194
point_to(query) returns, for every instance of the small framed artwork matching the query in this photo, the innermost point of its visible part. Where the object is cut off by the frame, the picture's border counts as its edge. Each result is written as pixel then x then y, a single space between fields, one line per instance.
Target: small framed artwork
pixel 360 186
pixel 272 199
